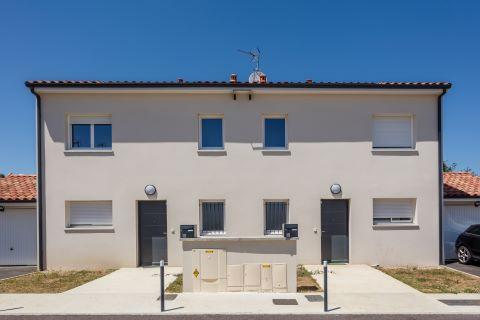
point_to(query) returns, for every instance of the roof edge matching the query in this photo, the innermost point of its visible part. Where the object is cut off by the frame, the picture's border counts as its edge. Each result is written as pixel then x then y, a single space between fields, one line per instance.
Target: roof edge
pixel 216 84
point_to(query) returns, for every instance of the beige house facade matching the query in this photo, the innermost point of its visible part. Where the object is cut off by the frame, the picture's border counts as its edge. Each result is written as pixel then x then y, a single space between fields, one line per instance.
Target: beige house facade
pixel 355 165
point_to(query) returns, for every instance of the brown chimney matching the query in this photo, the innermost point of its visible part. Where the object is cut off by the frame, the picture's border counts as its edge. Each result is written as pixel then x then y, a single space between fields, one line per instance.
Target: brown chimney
pixel 233 78
pixel 263 78
pixel 309 81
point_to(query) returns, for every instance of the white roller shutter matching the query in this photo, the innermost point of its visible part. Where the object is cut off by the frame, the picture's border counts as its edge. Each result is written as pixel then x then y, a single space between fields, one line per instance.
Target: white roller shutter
pixel 90 213
pixel 392 132
pixel 393 210
pixel 18 236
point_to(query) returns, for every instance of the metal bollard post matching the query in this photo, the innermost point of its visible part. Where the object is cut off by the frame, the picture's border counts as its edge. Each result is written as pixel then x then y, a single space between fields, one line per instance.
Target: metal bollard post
pixel 325 286
pixel 162 286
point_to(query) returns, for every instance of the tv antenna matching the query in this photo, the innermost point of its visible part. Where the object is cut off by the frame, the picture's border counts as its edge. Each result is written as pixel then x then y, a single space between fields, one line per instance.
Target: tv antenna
pixel 255 59
pixel 255 55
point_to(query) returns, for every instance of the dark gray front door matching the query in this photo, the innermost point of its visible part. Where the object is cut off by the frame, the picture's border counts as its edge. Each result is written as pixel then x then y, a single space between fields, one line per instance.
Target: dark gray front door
pixel 152 222
pixel 334 225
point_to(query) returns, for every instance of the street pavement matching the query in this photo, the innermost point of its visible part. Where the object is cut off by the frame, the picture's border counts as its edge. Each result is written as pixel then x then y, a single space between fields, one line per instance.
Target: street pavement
pixel 246 317
pixel 473 268
pixel 8 272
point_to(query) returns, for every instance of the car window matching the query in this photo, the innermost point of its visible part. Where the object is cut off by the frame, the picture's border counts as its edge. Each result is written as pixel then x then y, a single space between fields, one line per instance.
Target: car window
pixel 474 230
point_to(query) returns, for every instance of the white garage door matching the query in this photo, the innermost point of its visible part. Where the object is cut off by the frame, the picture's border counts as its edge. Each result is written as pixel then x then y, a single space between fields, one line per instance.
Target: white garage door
pixel 18 239
pixel 457 218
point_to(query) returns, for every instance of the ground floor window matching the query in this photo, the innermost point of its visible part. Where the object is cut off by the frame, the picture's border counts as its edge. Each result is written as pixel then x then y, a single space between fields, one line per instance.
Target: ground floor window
pixel 393 211
pixel 212 217
pixel 89 213
pixel 276 213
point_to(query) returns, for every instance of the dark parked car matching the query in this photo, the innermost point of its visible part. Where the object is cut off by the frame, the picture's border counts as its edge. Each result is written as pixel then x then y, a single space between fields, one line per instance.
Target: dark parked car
pixel 468 244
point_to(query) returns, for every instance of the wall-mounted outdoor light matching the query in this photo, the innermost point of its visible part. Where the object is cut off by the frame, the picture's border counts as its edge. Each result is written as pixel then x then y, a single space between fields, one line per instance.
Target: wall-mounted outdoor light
pixel 476 203
pixel 2 208
pixel 150 190
pixel 335 188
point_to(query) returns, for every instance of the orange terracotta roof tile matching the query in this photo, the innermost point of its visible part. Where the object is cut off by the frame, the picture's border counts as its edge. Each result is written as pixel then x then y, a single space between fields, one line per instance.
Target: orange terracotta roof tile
pixel 461 185
pixel 18 187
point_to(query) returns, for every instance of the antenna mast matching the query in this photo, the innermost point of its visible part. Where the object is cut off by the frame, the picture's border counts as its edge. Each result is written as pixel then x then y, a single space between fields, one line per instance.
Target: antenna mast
pixel 255 59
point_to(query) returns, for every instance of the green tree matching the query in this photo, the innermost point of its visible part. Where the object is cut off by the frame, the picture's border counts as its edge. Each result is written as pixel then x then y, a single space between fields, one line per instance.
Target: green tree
pixel 449 167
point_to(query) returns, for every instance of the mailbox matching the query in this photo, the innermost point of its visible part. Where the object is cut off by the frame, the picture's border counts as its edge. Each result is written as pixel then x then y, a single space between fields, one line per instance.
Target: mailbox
pixel 187 231
pixel 290 230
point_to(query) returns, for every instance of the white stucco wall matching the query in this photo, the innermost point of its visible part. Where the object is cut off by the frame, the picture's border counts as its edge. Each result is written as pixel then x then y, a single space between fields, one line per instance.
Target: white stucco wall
pixel 155 142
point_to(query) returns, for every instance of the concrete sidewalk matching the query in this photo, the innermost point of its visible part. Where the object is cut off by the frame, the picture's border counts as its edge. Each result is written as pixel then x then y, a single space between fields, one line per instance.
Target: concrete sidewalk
pixel 129 281
pixel 353 290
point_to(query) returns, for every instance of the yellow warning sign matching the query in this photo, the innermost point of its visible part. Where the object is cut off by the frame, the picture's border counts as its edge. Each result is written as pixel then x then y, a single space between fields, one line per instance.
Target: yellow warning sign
pixel 208 251
pixel 196 273
pixel 266 266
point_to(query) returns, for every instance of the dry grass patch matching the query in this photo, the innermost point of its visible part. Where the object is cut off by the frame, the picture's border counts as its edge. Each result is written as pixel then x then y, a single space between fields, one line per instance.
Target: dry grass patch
pixel 435 280
pixel 176 286
pixel 50 281
pixel 305 281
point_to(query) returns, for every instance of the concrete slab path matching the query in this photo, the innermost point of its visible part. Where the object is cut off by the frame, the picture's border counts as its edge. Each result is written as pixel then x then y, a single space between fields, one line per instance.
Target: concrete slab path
pixel 361 288
pixel 129 281
pixel 353 290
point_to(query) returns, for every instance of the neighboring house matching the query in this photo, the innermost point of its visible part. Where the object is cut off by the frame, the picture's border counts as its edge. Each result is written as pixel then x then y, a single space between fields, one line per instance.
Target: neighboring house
pixel 18 227
pixel 238 160
pixel 462 207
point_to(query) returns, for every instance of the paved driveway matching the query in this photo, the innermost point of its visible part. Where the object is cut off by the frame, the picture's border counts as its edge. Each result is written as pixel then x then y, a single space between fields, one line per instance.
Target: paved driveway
pixel 473 269
pixel 8 272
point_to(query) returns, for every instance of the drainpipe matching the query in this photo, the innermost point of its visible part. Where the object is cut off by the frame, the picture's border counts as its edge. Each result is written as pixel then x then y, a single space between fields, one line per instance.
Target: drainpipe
pixel 41 265
pixel 440 176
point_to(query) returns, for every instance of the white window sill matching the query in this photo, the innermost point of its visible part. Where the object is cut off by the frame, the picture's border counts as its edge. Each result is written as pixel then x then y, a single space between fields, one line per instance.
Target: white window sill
pixel 88 151
pixel 212 152
pixel 396 226
pixel 93 229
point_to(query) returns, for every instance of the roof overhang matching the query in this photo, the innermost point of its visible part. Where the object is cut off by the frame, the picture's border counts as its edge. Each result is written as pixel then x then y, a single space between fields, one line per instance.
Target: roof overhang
pixel 233 90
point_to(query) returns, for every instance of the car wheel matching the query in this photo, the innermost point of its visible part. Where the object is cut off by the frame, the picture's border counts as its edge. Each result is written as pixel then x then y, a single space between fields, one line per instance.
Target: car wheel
pixel 464 255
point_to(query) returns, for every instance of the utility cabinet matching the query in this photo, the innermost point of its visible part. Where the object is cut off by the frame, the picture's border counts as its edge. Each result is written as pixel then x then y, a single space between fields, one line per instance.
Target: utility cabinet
pixel 252 277
pixel 235 275
pixel 279 277
pixel 209 270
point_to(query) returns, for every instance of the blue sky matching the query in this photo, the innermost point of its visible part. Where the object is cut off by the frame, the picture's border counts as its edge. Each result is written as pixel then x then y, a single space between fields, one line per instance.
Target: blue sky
pixel 404 40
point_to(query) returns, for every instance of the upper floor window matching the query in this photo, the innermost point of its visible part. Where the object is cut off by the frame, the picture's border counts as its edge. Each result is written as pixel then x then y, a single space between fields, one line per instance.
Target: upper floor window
pixel 393 211
pixel 211 132
pixel 212 217
pixel 392 132
pixel 275 132
pixel 276 214
pixel 90 132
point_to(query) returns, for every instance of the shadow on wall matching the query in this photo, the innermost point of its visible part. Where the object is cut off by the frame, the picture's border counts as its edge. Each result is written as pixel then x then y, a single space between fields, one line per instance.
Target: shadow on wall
pixel 147 118
pixel 254 247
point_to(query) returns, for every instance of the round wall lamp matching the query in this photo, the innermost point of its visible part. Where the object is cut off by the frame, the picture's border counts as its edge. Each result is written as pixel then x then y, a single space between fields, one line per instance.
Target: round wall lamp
pixel 335 188
pixel 476 203
pixel 150 190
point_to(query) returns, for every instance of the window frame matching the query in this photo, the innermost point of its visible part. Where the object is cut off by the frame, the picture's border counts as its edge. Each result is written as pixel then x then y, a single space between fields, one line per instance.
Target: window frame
pixel 91 120
pixel 393 116
pixel 200 209
pixel 70 226
pixel 287 216
pixel 200 126
pixel 392 221
pixel 275 116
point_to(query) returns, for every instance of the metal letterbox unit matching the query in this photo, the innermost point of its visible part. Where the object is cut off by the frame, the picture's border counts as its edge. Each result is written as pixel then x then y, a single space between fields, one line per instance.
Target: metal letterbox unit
pixel 290 230
pixel 187 231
